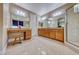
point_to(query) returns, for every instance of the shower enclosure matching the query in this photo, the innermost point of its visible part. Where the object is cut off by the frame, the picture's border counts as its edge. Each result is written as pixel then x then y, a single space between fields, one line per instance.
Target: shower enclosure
pixel 73 25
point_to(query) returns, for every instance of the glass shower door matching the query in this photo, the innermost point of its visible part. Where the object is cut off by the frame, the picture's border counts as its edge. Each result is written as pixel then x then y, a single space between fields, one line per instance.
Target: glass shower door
pixel 73 26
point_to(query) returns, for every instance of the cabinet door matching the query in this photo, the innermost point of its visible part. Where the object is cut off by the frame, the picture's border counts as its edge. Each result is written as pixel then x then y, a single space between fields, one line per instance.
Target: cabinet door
pixel 42 32
pixel 47 33
pixel 60 35
pixel 28 34
pixel 53 33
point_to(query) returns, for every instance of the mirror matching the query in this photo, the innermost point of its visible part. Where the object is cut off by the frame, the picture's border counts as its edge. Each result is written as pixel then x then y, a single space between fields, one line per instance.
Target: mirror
pixel 42 23
pixel 20 15
pixel 61 22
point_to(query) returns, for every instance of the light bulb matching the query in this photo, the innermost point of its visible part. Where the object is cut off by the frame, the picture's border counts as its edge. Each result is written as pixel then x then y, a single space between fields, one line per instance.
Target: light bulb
pixel 49 22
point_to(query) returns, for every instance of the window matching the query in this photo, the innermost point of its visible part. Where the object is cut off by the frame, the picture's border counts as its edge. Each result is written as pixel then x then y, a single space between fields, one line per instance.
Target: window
pixel 21 23
pixel 76 8
pixel 19 17
pixel 15 22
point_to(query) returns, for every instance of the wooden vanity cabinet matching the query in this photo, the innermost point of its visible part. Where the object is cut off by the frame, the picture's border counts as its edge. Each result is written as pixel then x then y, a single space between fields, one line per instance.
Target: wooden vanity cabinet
pixel 54 33
pixel 16 35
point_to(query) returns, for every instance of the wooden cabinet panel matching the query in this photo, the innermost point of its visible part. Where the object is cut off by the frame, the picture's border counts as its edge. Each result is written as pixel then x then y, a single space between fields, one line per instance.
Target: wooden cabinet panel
pixel 28 34
pixel 48 33
pixel 40 32
pixel 60 35
pixel 53 33
pixel 44 32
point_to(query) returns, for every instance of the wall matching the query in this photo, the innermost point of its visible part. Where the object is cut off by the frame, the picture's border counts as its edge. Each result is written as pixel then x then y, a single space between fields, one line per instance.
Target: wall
pixel 6 24
pixel 38 19
pixel 1 26
pixel 33 24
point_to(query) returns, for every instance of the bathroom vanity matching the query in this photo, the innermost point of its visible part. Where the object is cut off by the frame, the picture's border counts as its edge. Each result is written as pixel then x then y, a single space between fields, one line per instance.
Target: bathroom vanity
pixel 53 33
pixel 16 34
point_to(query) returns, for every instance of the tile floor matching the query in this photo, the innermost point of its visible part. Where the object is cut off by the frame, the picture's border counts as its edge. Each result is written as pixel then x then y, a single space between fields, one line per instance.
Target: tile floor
pixel 40 46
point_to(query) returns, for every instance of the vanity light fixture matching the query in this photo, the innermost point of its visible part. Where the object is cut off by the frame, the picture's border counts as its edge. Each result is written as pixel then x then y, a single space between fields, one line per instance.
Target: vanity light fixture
pixel 50 19
pixel 49 22
pixel 44 18
pixel 20 13
pixel 57 13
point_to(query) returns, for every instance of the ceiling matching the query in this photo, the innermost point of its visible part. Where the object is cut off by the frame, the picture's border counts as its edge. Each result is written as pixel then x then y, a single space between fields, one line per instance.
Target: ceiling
pixel 40 8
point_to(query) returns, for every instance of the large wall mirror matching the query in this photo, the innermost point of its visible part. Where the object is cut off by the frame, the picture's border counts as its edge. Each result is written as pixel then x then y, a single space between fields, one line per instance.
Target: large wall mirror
pixel 19 17
pixel 54 20
pixel 42 23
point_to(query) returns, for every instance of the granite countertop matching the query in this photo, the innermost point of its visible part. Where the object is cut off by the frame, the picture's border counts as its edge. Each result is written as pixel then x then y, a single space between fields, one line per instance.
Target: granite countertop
pixel 53 28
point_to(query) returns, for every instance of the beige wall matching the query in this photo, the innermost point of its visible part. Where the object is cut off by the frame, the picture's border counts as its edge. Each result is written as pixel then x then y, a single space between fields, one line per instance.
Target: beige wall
pixel 33 24
pixel 1 24
pixel 6 24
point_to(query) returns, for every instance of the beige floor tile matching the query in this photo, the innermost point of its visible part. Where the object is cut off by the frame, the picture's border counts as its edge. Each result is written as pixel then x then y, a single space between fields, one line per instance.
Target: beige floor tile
pixel 40 46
